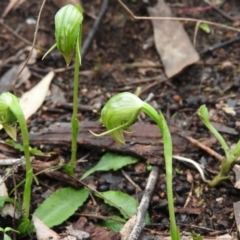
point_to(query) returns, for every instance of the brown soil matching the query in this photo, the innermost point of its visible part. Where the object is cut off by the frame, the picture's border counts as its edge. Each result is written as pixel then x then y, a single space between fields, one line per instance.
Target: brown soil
pixel 114 62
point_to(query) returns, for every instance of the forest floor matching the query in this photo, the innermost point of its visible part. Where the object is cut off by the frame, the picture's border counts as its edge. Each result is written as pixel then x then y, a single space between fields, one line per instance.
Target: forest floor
pixel 122 57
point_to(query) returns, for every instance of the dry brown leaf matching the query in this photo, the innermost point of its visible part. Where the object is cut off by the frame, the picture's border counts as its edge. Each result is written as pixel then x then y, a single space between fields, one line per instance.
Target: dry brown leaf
pixel 8 78
pixel 171 41
pixel 128 227
pixel 32 100
pixel 236 207
pixel 236 170
pixel 43 232
pixel 13 4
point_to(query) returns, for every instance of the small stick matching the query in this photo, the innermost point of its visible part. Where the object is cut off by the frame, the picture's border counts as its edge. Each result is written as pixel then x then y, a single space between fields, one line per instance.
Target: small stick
pixel 177 19
pixel 220 11
pixel 91 34
pixel 14 33
pixel 205 148
pixel 142 208
pixel 131 181
pixel 33 43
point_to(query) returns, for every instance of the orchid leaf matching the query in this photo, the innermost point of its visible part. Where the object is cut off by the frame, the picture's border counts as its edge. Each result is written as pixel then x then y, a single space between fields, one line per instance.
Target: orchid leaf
pixel 111 161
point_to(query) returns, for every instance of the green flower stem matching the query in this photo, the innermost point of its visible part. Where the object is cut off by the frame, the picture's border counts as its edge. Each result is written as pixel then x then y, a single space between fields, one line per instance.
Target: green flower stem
pixel 74 120
pixel 204 116
pixel 167 142
pixel 11 112
pixel 118 114
pixel 68 33
pixel 231 156
pixel 226 165
pixel 29 172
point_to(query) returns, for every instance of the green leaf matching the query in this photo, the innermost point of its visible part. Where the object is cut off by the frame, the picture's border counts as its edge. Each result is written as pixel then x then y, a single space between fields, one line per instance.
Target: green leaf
pixel 113 225
pixel 204 116
pixel 4 199
pixel 20 147
pixel 205 27
pixel 61 205
pixel 111 161
pixel 126 204
pixel 6 237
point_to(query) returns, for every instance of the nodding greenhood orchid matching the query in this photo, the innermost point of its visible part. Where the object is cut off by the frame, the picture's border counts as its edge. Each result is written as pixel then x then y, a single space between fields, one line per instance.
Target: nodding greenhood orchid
pixel 7 117
pixel 68 31
pixel 119 113
pixel 68 34
pixel 10 114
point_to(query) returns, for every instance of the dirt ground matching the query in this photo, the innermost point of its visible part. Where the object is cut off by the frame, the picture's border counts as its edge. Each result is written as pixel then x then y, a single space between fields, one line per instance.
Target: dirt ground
pixel 116 61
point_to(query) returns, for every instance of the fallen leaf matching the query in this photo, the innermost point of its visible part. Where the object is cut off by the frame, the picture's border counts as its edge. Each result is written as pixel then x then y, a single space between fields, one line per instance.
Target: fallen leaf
pixel 13 4
pixel 8 208
pixel 80 235
pixel 42 231
pixel 236 207
pixel 57 95
pixel 32 100
pixel 171 41
pixel 8 79
pixel 224 237
pixel 236 170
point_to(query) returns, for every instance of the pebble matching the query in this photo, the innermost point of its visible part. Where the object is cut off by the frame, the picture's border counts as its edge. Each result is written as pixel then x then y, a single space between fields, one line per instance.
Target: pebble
pixel 155 199
pixel 180 201
pixel 103 187
pixel 176 98
pixel 101 181
pixel 130 189
pixel 165 221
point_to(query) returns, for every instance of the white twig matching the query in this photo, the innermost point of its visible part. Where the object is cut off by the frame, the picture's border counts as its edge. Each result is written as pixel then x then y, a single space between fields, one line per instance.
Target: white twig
pixel 199 168
pixel 131 181
pixel 11 161
pixel 142 208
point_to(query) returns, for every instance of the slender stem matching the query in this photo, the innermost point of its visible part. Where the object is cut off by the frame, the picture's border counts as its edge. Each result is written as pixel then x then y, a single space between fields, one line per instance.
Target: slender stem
pixel 74 120
pixel 226 165
pixel 167 141
pixel 29 171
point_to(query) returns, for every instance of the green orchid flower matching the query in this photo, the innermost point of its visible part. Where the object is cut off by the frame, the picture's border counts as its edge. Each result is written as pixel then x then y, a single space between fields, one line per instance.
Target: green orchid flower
pixel 68 34
pixel 68 29
pixel 119 113
pixel 7 117
pixel 10 114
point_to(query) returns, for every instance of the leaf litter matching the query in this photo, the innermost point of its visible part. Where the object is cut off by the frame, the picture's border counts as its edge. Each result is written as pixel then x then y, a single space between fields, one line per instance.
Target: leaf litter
pixel 168 88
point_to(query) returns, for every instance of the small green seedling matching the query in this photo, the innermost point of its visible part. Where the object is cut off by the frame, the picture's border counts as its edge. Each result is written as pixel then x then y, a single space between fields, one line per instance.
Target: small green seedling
pixel 5 230
pixel 205 27
pixel 231 155
pixel 10 114
pixel 119 113
pixel 68 33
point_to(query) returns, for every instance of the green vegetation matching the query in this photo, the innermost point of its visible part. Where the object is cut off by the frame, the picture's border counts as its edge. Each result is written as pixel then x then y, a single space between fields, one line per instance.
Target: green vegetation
pixel 68 33
pixel 119 113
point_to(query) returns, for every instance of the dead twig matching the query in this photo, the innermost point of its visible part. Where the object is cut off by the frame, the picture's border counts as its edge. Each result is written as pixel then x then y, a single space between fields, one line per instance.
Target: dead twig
pixel 14 33
pixel 205 148
pixel 142 208
pixel 224 14
pixel 178 19
pixel 220 45
pixel 91 34
pixel 33 43
pixel 131 181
